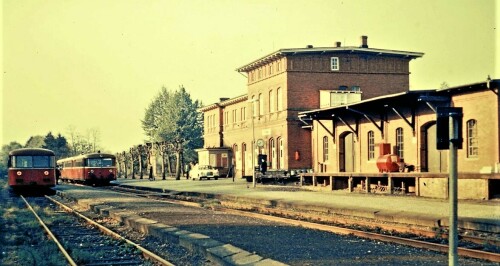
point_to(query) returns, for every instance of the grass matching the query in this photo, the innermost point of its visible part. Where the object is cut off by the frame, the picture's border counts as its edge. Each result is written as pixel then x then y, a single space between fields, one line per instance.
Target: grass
pixel 22 241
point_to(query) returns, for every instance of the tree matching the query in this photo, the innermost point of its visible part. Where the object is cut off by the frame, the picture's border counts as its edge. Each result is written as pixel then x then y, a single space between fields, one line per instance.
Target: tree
pixel 78 144
pixel 35 142
pixel 173 118
pixel 444 85
pixel 59 145
pixel 4 156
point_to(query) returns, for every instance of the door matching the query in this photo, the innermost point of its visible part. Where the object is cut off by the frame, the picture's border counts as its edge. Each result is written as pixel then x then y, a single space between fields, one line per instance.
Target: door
pixel 347 156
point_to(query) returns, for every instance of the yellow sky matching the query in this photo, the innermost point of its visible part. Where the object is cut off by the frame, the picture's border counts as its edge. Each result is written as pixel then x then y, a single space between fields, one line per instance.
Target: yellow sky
pixel 98 64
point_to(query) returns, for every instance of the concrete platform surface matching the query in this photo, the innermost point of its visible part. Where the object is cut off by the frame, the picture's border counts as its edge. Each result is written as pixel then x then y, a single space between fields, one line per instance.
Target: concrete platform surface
pixel 481 214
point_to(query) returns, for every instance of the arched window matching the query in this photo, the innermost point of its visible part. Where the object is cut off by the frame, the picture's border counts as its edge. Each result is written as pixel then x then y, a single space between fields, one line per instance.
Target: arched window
pixel 371 145
pixel 281 160
pixel 272 153
pixel 325 148
pixel 472 139
pixel 400 142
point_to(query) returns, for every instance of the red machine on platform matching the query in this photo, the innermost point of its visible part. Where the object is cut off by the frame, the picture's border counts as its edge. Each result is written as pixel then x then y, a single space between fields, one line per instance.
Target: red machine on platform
pixel 31 168
pixel 387 162
pixel 92 169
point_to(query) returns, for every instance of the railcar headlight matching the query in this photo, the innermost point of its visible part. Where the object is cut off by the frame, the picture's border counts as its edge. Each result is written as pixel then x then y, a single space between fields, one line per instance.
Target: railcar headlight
pixel 46 173
pixel 91 171
pixel 111 170
pixel 19 173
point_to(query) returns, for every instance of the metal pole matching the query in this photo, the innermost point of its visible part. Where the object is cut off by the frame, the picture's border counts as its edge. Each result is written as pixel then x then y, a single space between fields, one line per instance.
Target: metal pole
pixel 253 146
pixel 452 191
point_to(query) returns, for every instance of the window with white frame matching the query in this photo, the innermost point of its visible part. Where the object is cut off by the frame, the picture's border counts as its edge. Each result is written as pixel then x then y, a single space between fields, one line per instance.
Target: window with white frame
pixel 371 145
pixel 254 106
pixel 272 152
pixel 261 104
pixel 279 100
pixel 243 113
pixel 472 139
pixel 400 142
pixel 234 115
pixel 325 148
pixel 271 101
pixel 334 63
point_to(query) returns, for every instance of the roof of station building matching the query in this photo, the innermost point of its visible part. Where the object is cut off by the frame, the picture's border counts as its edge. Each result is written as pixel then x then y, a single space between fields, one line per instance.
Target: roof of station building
pixel 324 50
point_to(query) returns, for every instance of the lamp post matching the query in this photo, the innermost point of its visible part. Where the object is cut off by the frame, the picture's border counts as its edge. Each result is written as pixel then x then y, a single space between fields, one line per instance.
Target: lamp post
pixel 253 101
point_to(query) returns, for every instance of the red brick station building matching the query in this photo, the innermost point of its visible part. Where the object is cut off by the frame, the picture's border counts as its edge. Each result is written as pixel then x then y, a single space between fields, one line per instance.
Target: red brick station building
pixel 345 118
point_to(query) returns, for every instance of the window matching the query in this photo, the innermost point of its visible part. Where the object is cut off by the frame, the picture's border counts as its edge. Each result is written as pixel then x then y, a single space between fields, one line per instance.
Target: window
pixel 243 114
pixel 279 103
pixel 356 88
pixel 234 116
pixel 226 118
pixel 278 66
pixel 472 139
pixel 261 104
pixel 254 106
pixel 334 62
pixel 399 142
pixel 281 147
pixel 272 152
pixel 260 73
pixel 325 148
pixel 100 162
pixel 271 101
pixel 371 145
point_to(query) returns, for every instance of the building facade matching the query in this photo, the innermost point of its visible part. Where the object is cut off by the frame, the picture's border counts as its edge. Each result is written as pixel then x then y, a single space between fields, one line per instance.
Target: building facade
pixel 360 137
pixel 289 81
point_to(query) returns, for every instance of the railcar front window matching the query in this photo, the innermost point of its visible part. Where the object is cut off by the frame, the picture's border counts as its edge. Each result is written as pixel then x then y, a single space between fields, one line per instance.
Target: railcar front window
pixel 23 162
pixel 42 161
pixel 100 162
pixel 33 161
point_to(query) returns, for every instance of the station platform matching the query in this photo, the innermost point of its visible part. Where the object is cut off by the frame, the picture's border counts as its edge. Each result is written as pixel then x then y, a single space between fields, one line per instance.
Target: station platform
pixel 474 215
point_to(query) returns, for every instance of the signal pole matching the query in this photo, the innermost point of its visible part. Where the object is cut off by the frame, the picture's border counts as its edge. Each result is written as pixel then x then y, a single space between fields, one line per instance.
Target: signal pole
pixel 455 142
pixel 449 137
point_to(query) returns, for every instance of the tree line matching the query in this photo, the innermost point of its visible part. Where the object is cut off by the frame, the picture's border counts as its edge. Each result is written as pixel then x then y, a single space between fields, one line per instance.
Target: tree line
pixel 59 144
pixel 173 128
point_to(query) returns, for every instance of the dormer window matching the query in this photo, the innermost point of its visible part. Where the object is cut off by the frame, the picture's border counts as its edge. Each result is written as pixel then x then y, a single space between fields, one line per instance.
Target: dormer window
pixel 334 62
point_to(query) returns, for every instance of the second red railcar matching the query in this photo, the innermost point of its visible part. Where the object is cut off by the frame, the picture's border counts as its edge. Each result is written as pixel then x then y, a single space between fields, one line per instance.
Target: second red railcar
pixel 91 169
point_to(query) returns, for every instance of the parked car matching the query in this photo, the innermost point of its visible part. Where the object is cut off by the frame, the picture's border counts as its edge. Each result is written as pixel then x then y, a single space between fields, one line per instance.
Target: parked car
pixel 204 171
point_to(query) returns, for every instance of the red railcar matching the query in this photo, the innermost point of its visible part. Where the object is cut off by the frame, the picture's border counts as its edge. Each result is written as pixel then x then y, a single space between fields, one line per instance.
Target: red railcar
pixel 91 169
pixel 31 168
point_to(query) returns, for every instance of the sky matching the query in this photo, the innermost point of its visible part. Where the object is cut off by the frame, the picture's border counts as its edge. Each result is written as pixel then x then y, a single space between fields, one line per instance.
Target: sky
pixel 97 64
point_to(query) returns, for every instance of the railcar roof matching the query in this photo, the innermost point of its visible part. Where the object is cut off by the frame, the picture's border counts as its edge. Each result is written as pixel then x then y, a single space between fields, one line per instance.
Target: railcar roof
pixel 31 151
pixel 88 156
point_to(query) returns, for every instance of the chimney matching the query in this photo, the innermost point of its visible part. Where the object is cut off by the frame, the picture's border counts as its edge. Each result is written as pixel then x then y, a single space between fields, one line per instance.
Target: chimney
pixel 223 99
pixel 364 41
pixel 309 46
pixel 338 44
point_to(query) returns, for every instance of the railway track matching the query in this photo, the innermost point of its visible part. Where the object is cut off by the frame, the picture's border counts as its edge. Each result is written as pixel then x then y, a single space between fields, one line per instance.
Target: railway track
pixel 85 242
pixel 469 246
